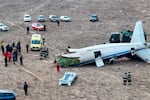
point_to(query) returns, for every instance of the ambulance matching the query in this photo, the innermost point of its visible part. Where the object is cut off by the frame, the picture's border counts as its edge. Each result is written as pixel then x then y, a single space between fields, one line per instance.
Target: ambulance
pixel 36 42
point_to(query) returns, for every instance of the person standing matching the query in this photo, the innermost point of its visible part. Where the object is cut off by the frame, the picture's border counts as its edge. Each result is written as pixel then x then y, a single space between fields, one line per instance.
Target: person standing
pixel 129 78
pixel 14 58
pixel 5 59
pixel 58 22
pixel 28 29
pixel 25 87
pixel 19 47
pixel 13 45
pixel 43 39
pixel 21 60
pixel 27 47
pixel 7 48
pixel 125 78
pixel 57 67
pixel 44 27
pixel 2 48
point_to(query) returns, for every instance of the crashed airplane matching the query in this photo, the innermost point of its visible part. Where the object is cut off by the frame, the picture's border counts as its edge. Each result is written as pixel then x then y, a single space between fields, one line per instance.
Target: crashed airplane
pixel 100 54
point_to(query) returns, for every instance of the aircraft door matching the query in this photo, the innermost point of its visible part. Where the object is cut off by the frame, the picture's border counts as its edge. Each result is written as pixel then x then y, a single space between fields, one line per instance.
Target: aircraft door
pixel 98 60
pixel 97 54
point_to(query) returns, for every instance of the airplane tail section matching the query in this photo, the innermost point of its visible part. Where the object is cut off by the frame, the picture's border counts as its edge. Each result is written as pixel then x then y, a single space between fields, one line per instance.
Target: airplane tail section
pixel 138 33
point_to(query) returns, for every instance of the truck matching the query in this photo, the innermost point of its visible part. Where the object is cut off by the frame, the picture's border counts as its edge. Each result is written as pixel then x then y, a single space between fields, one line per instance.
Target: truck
pixel 123 36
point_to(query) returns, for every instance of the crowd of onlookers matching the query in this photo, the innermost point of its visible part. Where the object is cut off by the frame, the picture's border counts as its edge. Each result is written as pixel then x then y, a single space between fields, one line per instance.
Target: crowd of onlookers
pixel 12 52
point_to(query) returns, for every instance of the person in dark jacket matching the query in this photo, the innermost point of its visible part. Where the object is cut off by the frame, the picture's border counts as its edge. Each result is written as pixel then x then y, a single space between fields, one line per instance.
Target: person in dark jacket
pixel 27 47
pixel 14 58
pixel 21 60
pixel 129 78
pixel 58 22
pixel 19 47
pixel 2 48
pixel 25 87
pixel 7 48
pixel 44 27
pixel 28 29
pixel 13 45
pixel 5 59
pixel 125 79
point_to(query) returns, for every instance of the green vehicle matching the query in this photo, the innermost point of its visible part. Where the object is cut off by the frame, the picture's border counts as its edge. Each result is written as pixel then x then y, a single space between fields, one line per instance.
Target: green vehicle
pixel 125 36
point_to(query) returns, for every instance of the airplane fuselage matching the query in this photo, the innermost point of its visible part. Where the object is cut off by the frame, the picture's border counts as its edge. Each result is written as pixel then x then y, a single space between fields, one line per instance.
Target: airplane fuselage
pixel 109 51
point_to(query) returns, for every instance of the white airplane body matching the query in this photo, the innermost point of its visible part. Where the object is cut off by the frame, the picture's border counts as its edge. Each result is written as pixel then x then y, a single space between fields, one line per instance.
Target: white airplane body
pixel 111 51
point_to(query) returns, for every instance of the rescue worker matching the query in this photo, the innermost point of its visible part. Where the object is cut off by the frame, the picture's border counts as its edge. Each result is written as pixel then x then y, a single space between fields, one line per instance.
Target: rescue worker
pixel 25 87
pixel 5 59
pixel 125 79
pixel 28 29
pixel 27 47
pixel 129 78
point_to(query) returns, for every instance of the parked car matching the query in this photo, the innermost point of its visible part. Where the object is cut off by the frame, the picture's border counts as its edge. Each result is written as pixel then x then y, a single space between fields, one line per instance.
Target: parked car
pixel 7 95
pixel 41 18
pixel 37 26
pixel 53 18
pixel 65 18
pixel 3 27
pixel 27 18
pixel 93 18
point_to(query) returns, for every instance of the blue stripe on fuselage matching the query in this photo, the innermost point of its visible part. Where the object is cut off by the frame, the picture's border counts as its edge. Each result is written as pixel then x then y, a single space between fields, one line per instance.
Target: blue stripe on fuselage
pixel 118 55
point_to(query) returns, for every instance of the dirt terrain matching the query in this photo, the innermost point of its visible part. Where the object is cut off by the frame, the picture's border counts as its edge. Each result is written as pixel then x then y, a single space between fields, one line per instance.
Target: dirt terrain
pixel 92 83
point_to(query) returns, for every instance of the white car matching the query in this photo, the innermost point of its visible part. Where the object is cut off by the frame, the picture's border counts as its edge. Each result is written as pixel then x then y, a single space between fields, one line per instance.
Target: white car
pixel 53 18
pixel 65 18
pixel 3 27
pixel 27 18
pixel 41 18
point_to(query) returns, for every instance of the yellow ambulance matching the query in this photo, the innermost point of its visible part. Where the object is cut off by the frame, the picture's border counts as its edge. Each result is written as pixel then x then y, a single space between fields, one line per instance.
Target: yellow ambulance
pixel 36 42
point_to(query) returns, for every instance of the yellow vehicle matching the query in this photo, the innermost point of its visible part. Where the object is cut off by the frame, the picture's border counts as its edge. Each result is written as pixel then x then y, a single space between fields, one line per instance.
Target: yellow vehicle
pixel 36 42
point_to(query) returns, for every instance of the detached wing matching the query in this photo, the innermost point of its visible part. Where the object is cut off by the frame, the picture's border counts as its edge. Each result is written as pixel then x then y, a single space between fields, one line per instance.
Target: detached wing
pixel 144 54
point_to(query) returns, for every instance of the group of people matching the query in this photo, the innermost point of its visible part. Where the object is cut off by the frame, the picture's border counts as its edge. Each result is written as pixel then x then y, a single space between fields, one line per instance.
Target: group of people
pixel 12 52
pixel 127 78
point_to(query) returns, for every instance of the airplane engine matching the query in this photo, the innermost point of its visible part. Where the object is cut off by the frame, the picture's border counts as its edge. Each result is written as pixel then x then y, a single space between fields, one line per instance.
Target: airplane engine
pixel 132 51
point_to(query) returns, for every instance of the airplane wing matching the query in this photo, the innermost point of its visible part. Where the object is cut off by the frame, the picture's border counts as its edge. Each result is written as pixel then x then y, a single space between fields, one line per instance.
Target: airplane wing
pixel 73 50
pixel 144 54
pixel 71 55
pixel 99 62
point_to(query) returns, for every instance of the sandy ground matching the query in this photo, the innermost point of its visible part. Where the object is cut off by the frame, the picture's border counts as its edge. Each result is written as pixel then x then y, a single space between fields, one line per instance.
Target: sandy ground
pixel 92 83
